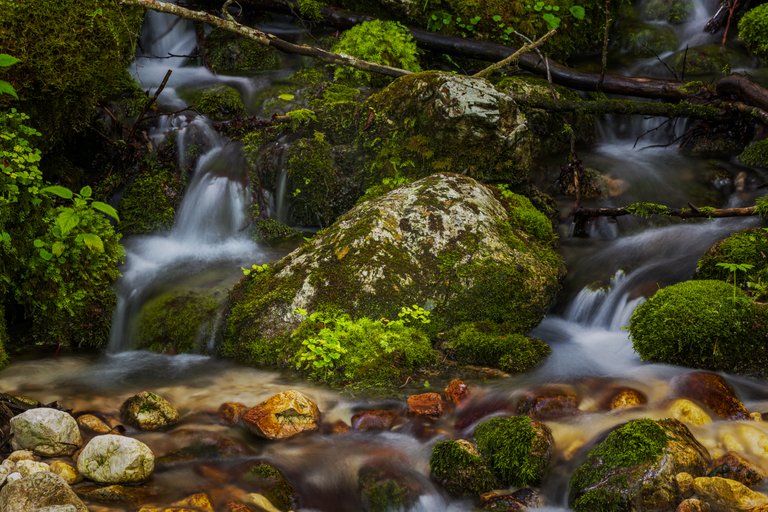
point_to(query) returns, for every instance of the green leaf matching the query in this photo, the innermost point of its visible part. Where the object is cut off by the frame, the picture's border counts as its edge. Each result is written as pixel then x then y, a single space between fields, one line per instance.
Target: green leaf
pixel 106 209
pixel 496 18
pixel 7 60
pixel 57 190
pixel 93 242
pixel 286 97
pixel 58 248
pixel 552 20
pixel 6 88
pixel 86 191
pixel 45 255
pixel 578 12
pixel 38 243
pixel 67 220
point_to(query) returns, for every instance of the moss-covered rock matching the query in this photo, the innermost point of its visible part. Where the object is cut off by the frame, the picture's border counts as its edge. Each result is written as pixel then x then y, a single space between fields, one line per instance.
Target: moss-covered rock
pixel 458 467
pixel 746 248
pixel 756 154
pixel 444 243
pixel 704 324
pixel 270 482
pixel 149 202
pixel 753 30
pixel 517 448
pixel 634 468
pixel 228 53
pixel 671 11
pixel 219 103
pixel 489 345
pixel 178 321
pixel 383 489
pixel 273 231
pixel 436 122
pixel 73 54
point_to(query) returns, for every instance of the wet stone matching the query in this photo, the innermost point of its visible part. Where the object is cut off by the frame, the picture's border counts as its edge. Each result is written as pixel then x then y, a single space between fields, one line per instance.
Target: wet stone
pixel 114 494
pixel 501 501
pixel 148 411
pixel 692 505
pixel 456 391
pixel 232 412
pixel 688 412
pixel 713 391
pixel 425 404
pixel 283 415
pixel 725 495
pixel 549 402
pixel 478 407
pixel 623 398
pixel 735 467
pixel 91 423
pixel 374 420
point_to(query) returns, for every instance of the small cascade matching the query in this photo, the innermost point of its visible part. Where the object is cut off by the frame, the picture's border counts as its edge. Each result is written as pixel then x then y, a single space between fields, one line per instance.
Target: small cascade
pixel 609 307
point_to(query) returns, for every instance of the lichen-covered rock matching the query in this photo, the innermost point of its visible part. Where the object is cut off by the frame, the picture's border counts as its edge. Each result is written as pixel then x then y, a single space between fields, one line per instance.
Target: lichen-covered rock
pixel 148 411
pixel 634 468
pixel 517 448
pixel 38 491
pixel 45 431
pixel 283 415
pixel 459 468
pixel 441 122
pixel 113 459
pixel 444 243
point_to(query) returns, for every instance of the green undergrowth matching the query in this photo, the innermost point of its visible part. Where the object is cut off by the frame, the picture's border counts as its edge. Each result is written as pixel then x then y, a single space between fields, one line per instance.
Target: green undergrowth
pixel 753 30
pixel 756 154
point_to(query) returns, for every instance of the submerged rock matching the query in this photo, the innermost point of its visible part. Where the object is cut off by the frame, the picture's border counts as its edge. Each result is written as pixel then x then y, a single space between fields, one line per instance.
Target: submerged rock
pixel 634 468
pixel 735 467
pixel 444 243
pixel 148 411
pixel 713 391
pixel 39 491
pixel 283 415
pixel 48 432
pixel 272 485
pixel 113 459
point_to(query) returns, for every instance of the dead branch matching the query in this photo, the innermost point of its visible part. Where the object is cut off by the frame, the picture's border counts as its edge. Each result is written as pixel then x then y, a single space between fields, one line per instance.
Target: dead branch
pixel 515 55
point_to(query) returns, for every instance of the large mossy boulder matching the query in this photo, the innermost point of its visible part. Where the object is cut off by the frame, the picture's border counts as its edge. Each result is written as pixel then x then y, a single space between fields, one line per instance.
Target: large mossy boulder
pixel 437 122
pixel 753 30
pixel 72 55
pixel 444 243
pixel 748 249
pixel 634 468
pixel 703 324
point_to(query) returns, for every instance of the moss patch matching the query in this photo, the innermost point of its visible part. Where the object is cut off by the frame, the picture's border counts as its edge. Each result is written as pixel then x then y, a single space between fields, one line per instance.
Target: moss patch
pixel 756 154
pixel 748 247
pixel 149 202
pixel 753 30
pixel 489 344
pixel 459 468
pixel 219 103
pixel 231 54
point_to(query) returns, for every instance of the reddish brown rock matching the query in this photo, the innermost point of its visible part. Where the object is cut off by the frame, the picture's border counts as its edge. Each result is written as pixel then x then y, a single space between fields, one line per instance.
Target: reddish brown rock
pixel 549 402
pixel 456 391
pixel 711 390
pixel 425 404
pixel 232 412
pixel 234 506
pixel 735 467
pixel 339 427
pixel 377 419
pixel 282 416
pixel 692 505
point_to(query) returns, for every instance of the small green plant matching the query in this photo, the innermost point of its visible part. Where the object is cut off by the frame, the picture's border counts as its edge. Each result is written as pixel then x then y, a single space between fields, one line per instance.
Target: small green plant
pixel 414 315
pixel 5 62
pixel 300 117
pixel 733 268
pixel 256 269
pixel 549 12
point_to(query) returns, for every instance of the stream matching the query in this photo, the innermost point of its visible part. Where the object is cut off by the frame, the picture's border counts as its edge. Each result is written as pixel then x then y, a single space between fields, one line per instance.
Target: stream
pixel 609 274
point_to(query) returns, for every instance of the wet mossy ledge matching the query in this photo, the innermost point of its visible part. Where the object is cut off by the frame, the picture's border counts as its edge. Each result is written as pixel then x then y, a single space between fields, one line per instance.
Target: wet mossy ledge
pixel 444 244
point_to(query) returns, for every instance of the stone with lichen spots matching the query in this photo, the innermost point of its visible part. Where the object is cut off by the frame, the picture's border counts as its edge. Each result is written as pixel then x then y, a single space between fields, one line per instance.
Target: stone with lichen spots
pixel 115 459
pixel 45 431
pixel 148 411
pixel 283 415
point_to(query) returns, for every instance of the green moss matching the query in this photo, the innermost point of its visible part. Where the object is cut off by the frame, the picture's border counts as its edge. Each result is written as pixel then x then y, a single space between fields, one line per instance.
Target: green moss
pixel 517 448
pixel 336 106
pixel 523 215
pixel 630 445
pixel 177 322
pixel 671 11
pixel 756 154
pixel 228 53
pixel 383 490
pixel 272 484
pixel 745 247
pixel 272 230
pixel 647 209
pixel 488 344
pixel 73 55
pixel 458 467
pixel 219 103
pixel 149 202
pixel 383 42
pixel 753 30
pixel 701 324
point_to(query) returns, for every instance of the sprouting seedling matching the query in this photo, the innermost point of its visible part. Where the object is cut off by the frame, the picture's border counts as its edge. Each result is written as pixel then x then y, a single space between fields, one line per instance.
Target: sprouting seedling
pixel 733 268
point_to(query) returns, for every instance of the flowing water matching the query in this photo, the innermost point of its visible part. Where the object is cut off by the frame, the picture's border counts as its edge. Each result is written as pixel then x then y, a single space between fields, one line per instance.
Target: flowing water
pixel 610 273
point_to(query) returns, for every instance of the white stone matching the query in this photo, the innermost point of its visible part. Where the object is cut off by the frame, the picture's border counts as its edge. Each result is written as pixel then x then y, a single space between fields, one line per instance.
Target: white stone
pixel 116 459
pixel 45 431
pixel 27 467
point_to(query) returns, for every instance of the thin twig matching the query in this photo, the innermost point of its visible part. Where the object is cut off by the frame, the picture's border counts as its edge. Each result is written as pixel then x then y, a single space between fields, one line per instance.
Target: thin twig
pixel 524 49
pixel 149 104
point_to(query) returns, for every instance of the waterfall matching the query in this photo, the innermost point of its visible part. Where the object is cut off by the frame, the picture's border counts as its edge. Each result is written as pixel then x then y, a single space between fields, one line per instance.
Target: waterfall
pixel 209 229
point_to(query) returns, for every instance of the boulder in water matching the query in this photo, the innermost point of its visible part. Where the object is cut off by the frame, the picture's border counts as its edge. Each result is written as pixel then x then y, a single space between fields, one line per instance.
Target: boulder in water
pixel 634 468
pixel 713 391
pixel 283 415
pixel 148 411
pixel 735 467
pixel 113 459
pixel 45 431
pixel 458 466
pixel 725 495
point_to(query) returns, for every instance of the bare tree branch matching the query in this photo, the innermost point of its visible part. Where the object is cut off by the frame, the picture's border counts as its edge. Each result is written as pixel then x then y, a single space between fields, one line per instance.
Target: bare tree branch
pixel 523 49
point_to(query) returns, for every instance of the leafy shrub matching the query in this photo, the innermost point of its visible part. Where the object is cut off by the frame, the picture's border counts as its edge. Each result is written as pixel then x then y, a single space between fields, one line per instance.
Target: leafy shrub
pixel 487 344
pixel 702 324
pixel 335 349
pixel 382 42
pixel 753 30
